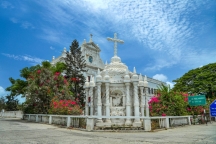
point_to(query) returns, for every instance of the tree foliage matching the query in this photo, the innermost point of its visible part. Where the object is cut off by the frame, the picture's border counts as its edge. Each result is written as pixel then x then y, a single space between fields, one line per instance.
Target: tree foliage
pixel 43 85
pixel 199 80
pixel 75 67
pixel 167 102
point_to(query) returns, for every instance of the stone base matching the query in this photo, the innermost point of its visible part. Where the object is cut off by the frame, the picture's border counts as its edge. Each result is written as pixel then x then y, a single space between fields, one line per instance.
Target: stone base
pixel 137 124
pixel 128 123
pixel 100 124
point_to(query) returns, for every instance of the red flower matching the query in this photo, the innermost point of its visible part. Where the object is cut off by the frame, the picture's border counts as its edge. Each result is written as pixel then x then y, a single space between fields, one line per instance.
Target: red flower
pixel 57 73
pixel 163 114
pixel 73 79
pixel 38 71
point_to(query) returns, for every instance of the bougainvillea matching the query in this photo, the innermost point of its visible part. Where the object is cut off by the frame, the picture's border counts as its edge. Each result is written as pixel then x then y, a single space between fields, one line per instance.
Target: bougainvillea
pixel 43 85
pixel 170 103
pixel 64 107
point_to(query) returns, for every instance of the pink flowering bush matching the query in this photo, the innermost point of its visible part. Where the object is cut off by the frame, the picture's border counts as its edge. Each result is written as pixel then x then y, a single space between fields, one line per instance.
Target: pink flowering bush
pixel 167 103
pixel 64 107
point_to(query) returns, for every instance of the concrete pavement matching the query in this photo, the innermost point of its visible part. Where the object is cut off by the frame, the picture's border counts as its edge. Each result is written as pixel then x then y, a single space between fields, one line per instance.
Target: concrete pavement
pixel 16 131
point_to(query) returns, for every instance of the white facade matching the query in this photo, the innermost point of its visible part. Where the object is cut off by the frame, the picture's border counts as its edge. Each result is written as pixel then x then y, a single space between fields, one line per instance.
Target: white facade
pixel 113 90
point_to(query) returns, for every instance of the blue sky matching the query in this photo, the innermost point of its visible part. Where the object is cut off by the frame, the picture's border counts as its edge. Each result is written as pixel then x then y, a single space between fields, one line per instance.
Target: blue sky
pixel 163 39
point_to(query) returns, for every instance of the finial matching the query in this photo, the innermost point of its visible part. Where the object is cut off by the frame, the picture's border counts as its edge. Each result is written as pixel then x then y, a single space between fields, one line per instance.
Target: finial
pixel 145 78
pixel 140 77
pixel 106 63
pixel 90 38
pixel 84 41
pixel 134 71
pixel 53 57
pixel 98 71
pixel 65 49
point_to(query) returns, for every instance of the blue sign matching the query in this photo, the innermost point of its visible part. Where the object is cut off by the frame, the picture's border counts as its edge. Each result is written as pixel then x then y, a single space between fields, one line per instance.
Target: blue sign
pixel 213 109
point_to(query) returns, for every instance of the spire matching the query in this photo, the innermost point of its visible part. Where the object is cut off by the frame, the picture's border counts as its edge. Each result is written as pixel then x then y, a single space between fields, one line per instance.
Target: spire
pixel 134 71
pixel 140 77
pixel 98 77
pixel 90 38
pixel 141 82
pixel 92 83
pixel 65 50
pixel 84 41
pixel 145 81
pixel 106 63
pixel 86 82
pixel 53 58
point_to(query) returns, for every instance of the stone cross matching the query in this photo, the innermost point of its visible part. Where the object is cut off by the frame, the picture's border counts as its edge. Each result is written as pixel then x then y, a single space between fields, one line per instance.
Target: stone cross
pixel 115 40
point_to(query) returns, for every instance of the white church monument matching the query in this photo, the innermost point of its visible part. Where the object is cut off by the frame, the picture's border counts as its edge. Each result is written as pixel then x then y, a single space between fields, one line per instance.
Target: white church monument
pixel 112 89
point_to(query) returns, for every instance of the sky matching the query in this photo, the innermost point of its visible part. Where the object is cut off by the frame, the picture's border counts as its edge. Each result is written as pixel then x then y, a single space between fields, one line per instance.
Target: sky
pixel 162 39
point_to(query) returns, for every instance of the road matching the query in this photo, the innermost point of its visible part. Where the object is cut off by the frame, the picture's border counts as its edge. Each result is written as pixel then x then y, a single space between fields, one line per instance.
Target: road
pixel 16 131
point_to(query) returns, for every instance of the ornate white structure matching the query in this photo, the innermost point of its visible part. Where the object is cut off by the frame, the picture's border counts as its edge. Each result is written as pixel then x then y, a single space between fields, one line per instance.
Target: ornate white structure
pixel 113 90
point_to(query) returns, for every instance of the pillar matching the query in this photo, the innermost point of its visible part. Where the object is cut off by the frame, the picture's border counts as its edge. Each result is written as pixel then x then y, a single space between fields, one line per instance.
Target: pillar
pixel 107 103
pixel 146 102
pixel 91 100
pixel 142 102
pixel 86 104
pixel 128 105
pixel 137 122
pixel 99 104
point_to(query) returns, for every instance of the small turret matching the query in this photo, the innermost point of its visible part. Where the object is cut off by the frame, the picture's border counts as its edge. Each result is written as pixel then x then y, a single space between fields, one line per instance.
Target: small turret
pixel 98 77
pixel 141 82
pixel 145 82
pixel 92 83
pixel 135 76
pixel 86 82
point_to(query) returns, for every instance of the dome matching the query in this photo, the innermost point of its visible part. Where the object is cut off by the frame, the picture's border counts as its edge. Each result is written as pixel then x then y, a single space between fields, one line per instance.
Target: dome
pixel 116 70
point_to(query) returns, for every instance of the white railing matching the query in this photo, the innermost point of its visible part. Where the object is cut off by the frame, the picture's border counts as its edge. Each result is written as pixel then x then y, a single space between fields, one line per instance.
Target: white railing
pixel 88 122
pixel 64 120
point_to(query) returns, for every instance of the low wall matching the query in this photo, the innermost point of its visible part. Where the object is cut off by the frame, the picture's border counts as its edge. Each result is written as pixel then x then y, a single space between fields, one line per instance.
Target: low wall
pixel 88 122
pixel 12 114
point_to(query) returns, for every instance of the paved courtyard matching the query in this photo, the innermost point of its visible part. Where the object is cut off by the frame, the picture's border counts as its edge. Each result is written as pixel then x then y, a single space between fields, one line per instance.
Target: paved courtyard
pixel 15 131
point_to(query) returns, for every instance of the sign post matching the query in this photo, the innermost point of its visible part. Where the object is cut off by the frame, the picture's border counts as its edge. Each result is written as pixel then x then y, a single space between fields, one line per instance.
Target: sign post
pixel 212 109
pixel 198 100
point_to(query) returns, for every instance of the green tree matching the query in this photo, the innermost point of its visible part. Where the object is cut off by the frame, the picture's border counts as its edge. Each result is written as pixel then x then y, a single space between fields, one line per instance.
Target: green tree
pixel 2 103
pixel 200 80
pixel 75 67
pixel 11 103
pixel 43 85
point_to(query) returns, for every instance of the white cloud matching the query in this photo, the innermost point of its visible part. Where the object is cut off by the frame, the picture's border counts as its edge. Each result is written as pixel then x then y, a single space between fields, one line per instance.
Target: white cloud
pixel 160 77
pixel 52 48
pixel 23 24
pixel 14 20
pixel 3 92
pixel 29 58
pixel 170 84
pixel 163 27
pixel 6 4
pixel 27 25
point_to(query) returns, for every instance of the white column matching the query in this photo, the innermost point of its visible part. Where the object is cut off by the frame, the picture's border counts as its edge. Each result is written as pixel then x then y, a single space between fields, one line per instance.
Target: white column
pixel 107 103
pixel 136 105
pixel 128 105
pixel 86 104
pixel 99 104
pixel 91 100
pixel 146 100
pixel 142 101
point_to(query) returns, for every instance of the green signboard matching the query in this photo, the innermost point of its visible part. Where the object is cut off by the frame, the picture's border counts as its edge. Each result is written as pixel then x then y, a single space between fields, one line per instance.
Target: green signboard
pixel 198 100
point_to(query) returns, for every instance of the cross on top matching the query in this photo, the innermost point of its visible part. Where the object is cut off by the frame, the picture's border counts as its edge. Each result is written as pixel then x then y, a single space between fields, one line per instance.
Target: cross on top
pixel 115 40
